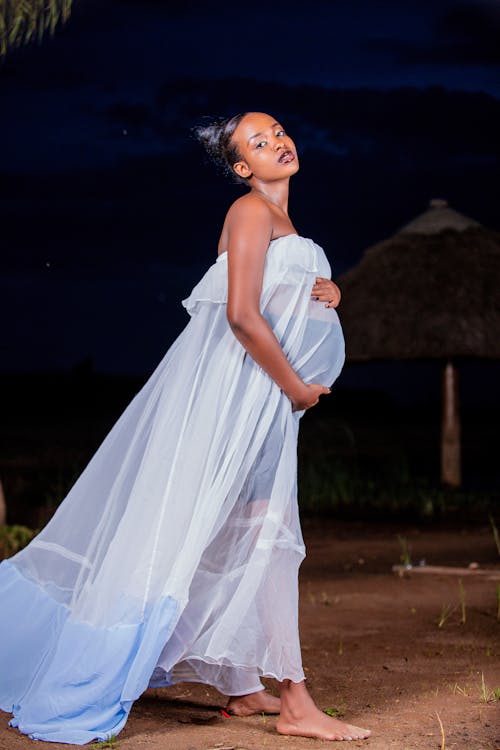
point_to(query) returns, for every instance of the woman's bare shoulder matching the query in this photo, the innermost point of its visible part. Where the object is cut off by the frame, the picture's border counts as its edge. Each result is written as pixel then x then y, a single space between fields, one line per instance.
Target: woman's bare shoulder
pixel 252 204
pixel 249 215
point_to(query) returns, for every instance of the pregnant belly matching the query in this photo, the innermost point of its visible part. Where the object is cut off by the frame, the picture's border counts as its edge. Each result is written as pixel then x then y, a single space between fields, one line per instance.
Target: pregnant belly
pixel 312 339
pixel 321 355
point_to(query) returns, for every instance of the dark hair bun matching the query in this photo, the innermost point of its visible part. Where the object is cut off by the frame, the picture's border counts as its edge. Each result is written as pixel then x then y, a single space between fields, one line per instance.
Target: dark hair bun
pixel 216 138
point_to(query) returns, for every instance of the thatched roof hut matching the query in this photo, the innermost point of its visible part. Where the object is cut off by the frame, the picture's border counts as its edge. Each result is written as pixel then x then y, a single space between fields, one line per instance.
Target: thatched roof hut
pixel 431 291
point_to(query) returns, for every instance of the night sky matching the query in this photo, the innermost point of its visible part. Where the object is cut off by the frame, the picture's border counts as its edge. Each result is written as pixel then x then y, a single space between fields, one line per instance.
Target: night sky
pixel 109 210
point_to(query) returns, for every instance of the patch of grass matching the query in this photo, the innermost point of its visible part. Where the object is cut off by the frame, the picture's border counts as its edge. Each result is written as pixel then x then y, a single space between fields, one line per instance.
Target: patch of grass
pixel 486 695
pixel 111 743
pixel 335 712
pixel 457 690
pixel 353 485
pixel 14 538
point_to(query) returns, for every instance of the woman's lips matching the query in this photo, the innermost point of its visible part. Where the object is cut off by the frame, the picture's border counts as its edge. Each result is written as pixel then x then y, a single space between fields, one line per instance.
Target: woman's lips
pixel 286 157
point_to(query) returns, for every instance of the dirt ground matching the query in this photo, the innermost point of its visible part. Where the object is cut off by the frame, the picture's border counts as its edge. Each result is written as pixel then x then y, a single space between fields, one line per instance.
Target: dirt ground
pixel 372 649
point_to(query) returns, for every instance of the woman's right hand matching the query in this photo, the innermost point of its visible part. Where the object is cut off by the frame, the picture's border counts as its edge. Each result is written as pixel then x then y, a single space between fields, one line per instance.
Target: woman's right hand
pixel 309 397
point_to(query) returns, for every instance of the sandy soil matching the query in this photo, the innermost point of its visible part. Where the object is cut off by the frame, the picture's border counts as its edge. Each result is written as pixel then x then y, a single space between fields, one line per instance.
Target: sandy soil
pixel 372 650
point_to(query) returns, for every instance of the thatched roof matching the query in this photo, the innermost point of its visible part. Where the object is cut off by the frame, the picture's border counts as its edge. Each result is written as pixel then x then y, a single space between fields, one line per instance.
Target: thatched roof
pixel 438 217
pixel 430 291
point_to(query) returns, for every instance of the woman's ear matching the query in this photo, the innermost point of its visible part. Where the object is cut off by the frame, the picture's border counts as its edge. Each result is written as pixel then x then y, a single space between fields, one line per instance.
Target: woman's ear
pixel 242 170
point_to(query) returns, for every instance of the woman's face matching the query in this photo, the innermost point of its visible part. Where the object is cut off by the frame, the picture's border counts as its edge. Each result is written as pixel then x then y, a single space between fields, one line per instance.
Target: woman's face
pixel 267 152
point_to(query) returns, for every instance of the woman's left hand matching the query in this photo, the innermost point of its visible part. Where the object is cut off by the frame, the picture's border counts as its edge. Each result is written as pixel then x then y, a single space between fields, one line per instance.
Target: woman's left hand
pixel 325 290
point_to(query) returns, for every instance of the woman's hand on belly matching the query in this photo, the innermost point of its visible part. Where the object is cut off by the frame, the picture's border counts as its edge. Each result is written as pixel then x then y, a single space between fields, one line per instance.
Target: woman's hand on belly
pixel 309 397
pixel 326 290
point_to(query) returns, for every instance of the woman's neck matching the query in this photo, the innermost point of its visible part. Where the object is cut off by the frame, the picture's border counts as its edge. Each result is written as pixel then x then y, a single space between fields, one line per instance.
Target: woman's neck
pixel 276 193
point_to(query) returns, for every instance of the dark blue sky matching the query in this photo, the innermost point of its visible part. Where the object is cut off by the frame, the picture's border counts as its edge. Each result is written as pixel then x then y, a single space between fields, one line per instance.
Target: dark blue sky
pixel 109 212
pixel 59 97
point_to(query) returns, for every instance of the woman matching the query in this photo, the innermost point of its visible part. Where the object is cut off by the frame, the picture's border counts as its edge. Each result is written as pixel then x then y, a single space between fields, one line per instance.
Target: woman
pixel 174 557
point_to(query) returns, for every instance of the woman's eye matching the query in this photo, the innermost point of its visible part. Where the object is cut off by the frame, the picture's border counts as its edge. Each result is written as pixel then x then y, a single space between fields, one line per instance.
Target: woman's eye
pixel 261 144
pixel 280 132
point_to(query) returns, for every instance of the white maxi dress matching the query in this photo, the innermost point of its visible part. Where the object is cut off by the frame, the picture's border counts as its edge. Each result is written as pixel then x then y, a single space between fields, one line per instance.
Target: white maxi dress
pixel 175 555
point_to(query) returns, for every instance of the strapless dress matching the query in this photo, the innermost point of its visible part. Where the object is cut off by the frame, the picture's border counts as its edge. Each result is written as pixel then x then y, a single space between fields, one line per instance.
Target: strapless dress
pixel 175 554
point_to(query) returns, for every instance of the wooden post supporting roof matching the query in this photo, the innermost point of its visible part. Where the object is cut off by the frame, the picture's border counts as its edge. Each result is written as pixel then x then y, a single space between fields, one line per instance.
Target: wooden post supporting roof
pixel 450 428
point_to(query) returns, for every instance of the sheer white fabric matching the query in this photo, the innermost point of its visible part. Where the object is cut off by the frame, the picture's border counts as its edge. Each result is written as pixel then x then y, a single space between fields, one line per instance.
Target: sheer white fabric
pixel 193 495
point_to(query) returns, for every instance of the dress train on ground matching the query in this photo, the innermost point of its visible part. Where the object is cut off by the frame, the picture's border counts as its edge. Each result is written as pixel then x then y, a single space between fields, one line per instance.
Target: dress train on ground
pixel 175 554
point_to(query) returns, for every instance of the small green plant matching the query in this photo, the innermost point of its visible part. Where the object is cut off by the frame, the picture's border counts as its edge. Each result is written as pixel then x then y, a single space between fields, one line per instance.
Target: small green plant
pixel 487 695
pixel 460 690
pixel 405 555
pixel 446 611
pixel 111 743
pixel 484 690
pixel 14 538
pixel 496 535
pixel 335 712
pixel 462 601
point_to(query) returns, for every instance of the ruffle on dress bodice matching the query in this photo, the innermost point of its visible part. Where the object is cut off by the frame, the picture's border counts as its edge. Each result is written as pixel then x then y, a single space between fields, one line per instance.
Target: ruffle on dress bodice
pixel 287 258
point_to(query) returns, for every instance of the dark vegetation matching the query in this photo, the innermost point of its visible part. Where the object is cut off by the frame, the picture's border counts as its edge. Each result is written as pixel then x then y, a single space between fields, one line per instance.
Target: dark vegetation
pixel 361 455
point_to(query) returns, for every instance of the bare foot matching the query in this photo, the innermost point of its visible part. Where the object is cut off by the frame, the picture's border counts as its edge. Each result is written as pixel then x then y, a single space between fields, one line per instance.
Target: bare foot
pixel 254 703
pixel 300 716
pixel 321 726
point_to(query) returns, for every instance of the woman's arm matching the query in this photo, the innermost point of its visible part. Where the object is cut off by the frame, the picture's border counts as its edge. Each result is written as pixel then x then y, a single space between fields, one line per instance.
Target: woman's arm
pixel 250 229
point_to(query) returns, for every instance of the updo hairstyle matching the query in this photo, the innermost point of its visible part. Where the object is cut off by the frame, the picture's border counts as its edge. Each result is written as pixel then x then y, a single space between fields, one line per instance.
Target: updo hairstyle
pixel 216 137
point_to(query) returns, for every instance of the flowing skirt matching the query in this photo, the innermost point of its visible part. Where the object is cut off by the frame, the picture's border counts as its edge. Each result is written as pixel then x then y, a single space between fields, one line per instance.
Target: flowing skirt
pixel 175 554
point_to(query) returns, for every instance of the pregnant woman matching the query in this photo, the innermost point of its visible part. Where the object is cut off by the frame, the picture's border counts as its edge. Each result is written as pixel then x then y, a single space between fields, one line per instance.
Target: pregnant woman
pixel 174 557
